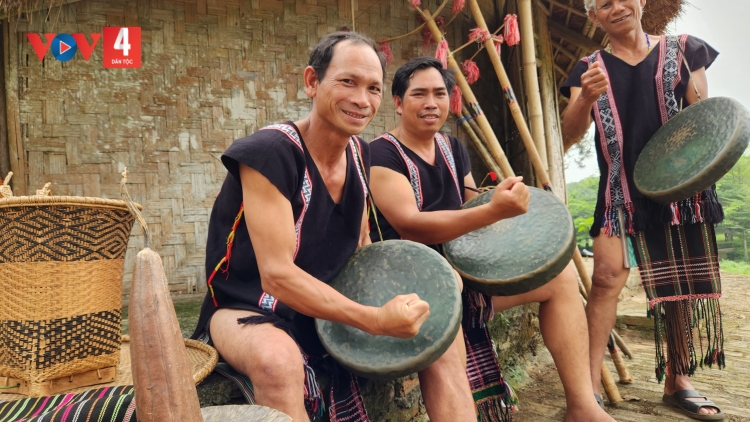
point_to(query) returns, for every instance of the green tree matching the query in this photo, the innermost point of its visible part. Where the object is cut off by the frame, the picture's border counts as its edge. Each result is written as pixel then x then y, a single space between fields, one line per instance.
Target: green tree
pixel 734 194
pixel 581 203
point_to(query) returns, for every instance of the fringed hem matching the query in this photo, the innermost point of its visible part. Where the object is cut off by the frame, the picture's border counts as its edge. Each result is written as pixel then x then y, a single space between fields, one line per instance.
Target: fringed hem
pixel 647 214
pixel 675 322
pixel 653 302
pixel 495 403
pixel 481 310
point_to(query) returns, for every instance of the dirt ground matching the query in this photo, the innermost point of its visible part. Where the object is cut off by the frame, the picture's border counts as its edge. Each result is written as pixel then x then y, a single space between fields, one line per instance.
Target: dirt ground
pixel 543 400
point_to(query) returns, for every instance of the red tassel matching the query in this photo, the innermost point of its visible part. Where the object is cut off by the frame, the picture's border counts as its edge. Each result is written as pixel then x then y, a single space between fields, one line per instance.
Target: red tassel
pixel 441 53
pixel 479 35
pixel 416 3
pixel 493 176
pixel 458 5
pixel 498 40
pixel 470 70
pixel 387 52
pixel 456 100
pixel 511 34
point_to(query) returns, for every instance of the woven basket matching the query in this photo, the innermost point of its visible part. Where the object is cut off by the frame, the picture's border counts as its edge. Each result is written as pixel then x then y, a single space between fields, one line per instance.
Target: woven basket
pixel 61 264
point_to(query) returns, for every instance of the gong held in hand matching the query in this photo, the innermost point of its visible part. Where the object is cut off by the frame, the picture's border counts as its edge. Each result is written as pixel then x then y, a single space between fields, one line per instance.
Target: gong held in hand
pixel 519 254
pixel 374 275
pixel 693 150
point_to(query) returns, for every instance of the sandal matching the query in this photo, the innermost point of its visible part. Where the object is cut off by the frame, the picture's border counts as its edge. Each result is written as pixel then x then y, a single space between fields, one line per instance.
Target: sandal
pixel 691 408
pixel 599 400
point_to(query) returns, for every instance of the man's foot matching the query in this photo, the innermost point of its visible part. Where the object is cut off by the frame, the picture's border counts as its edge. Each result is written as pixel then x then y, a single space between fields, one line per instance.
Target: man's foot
pixel 680 393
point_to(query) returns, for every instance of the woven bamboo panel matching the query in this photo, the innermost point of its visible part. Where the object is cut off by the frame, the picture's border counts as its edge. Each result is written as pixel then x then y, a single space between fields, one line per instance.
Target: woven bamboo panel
pixel 213 71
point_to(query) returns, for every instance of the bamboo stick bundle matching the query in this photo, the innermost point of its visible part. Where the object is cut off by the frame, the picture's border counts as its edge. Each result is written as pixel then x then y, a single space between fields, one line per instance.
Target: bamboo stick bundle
pixel 479 147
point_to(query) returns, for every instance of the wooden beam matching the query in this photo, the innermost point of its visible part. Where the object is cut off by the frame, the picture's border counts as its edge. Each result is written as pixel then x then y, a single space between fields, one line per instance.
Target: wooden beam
pixel 4 147
pixel 15 142
pixel 581 41
pixel 570 9
pixel 564 50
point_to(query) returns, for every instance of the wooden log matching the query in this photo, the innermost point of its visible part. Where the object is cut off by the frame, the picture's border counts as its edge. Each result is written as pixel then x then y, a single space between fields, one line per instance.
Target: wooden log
pixel 531 78
pixel 493 145
pixel 162 374
pixel 15 142
pixel 479 147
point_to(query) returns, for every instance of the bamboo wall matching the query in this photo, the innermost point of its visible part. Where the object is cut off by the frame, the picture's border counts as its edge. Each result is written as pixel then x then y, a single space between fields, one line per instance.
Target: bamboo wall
pixel 213 71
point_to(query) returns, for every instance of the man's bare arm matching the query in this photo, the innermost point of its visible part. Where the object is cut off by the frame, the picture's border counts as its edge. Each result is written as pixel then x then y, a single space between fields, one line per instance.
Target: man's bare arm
pixel 270 222
pixel 396 202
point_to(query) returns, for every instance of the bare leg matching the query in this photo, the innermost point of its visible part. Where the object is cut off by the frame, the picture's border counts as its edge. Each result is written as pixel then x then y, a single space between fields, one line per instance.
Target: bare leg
pixel 563 325
pixel 445 386
pixel 268 356
pixel 610 276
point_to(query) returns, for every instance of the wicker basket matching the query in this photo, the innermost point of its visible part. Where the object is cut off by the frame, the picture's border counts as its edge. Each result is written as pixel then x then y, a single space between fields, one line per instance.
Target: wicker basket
pixel 61 264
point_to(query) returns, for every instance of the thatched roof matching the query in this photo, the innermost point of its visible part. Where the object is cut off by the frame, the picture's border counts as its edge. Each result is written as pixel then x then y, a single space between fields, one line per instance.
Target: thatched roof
pixel 574 35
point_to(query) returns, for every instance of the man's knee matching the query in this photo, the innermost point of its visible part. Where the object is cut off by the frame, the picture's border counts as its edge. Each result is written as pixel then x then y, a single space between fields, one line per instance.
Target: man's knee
pixel 275 366
pixel 608 277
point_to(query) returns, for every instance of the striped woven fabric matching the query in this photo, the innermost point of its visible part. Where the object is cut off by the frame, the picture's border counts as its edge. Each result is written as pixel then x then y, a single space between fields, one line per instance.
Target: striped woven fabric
pixel 109 404
pixel 679 268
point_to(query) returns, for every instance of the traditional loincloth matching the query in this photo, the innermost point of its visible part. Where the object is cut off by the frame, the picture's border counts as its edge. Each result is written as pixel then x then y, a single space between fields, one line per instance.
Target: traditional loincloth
pixel 679 268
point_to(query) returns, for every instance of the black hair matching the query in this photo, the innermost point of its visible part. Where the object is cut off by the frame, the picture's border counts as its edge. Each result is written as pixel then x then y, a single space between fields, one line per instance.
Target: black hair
pixel 321 55
pixel 404 73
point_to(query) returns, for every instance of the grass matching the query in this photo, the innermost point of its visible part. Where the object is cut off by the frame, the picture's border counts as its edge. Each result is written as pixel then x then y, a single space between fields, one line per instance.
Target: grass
pixel 735 267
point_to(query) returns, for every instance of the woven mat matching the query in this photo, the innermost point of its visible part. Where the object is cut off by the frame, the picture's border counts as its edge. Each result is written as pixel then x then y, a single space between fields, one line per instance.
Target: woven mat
pixel 202 356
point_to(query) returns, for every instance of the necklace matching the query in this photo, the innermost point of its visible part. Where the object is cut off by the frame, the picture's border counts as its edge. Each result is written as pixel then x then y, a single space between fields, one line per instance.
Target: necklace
pixel 648 44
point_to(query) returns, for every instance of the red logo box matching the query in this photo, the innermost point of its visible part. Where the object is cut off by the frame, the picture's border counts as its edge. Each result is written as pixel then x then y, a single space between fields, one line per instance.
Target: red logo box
pixel 122 47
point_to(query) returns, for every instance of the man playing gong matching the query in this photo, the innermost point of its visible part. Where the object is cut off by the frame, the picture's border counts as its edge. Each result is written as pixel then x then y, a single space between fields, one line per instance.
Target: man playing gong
pixel 419 180
pixel 630 90
pixel 298 190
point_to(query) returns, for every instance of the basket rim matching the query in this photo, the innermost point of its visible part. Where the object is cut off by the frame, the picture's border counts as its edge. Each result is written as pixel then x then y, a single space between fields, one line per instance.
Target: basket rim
pixel 26 201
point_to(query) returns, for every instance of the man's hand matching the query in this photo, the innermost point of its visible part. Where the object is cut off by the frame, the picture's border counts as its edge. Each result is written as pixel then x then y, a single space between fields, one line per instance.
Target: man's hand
pixel 511 198
pixel 402 316
pixel 593 83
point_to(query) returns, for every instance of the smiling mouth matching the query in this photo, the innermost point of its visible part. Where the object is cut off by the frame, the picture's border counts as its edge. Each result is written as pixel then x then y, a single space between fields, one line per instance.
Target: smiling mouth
pixel 355 115
pixel 430 116
pixel 620 19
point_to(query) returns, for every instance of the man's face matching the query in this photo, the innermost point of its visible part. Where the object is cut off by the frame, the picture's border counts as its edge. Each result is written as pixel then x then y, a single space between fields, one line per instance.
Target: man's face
pixel 426 101
pixel 349 94
pixel 618 16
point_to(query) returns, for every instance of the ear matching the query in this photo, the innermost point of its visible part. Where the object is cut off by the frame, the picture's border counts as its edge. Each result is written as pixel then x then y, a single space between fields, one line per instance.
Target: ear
pixel 592 16
pixel 399 103
pixel 311 81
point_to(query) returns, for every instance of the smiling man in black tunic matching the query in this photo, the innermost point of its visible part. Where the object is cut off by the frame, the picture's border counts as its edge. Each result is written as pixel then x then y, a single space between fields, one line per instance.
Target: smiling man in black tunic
pixel 419 181
pixel 290 213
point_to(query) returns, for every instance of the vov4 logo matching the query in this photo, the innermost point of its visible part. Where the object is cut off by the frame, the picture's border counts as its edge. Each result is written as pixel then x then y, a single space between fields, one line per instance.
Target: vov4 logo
pixel 122 46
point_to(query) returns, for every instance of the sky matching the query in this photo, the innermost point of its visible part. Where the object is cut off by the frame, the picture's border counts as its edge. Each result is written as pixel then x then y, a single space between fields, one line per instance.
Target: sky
pixel 723 24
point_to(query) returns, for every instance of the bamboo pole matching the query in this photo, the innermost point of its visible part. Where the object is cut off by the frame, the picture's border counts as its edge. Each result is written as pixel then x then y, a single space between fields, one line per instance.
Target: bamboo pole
pixel 536 118
pixel 479 147
pixel 510 96
pixel 552 127
pixel 473 124
pixel 493 145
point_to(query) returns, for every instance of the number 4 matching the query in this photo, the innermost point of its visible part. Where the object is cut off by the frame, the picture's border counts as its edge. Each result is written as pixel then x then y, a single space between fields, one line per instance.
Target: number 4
pixel 121 43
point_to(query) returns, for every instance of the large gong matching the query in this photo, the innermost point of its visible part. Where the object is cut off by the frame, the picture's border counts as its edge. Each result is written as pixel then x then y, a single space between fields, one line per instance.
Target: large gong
pixel 693 150
pixel 376 274
pixel 519 254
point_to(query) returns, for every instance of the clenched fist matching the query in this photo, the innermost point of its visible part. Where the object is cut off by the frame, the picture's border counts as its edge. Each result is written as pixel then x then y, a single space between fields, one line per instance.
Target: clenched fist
pixel 402 316
pixel 511 198
pixel 593 83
